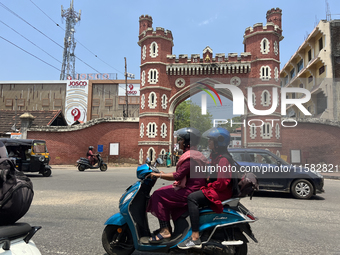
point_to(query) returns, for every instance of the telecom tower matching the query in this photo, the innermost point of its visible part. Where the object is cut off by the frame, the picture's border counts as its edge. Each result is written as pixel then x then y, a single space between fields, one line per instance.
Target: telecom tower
pixel 68 66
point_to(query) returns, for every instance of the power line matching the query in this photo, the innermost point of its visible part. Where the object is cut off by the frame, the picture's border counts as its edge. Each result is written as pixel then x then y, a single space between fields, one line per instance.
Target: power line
pixel 81 45
pixel 5 7
pixel 76 39
pixel 46 15
pixel 29 53
pixel 30 41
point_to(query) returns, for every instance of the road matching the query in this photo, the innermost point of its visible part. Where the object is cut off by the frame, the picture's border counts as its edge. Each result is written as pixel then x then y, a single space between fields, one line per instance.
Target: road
pixel 72 206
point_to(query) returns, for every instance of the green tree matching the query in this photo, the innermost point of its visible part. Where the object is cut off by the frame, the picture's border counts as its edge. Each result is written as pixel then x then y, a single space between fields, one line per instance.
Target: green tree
pixel 232 129
pixel 188 114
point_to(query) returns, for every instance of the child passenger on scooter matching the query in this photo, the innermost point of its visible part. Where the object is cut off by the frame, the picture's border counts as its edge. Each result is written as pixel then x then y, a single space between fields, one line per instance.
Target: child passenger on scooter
pixel 171 201
pixel 219 186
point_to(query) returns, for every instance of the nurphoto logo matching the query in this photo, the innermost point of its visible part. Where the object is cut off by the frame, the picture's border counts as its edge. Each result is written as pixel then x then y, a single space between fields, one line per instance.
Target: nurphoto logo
pixel 238 99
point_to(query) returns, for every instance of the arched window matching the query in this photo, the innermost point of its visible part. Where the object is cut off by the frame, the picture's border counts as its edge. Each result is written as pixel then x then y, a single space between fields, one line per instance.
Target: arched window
pixel 142 101
pixel 163 130
pixel 164 101
pixel 153 49
pixel 144 52
pixel 276 73
pixel 276 48
pixel 151 131
pixel 141 130
pixel 152 100
pixel 254 99
pixel 265 73
pixel 277 131
pixel 265 98
pixel 152 154
pixel 143 78
pixel 252 131
pixel 141 160
pixel 264 48
pixel 153 76
pixel 266 131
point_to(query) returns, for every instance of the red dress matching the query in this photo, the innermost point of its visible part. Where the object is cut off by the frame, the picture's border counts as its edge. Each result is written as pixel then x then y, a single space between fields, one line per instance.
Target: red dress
pixel 221 189
pixel 90 157
pixel 166 203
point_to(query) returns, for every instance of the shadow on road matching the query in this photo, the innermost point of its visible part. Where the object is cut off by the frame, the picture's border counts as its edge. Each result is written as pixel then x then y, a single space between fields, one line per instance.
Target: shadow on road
pixel 282 195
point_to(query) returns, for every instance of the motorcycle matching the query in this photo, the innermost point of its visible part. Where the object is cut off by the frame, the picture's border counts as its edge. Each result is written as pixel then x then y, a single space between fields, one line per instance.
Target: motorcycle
pixel 16 239
pixel 84 163
pixel 128 230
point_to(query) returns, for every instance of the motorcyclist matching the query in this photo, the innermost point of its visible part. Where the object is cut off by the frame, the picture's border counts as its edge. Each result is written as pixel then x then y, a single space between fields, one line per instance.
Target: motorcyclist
pixel 91 157
pixel 171 201
pixel 219 186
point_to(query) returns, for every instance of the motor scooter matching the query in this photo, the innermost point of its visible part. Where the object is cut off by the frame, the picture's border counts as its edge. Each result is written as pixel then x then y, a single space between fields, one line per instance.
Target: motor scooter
pixel 84 163
pixel 16 239
pixel 220 233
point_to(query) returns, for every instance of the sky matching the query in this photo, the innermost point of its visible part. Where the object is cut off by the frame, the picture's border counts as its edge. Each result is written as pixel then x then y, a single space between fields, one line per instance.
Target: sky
pixel 108 31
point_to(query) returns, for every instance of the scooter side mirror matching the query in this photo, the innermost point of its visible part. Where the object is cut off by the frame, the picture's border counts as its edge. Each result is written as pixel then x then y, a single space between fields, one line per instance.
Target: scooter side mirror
pixel 147 161
pixel 159 161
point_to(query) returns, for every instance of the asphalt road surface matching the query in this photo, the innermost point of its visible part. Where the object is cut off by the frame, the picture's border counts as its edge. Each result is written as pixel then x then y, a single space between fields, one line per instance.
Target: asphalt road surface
pixel 72 206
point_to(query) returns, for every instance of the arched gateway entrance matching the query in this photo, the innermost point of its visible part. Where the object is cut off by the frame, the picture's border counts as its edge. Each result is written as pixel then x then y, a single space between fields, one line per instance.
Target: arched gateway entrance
pixel 167 80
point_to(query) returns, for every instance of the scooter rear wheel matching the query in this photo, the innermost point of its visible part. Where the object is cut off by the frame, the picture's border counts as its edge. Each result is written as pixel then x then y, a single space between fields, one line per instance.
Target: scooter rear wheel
pixel 81 168
pixel 241 249
pixel 117 240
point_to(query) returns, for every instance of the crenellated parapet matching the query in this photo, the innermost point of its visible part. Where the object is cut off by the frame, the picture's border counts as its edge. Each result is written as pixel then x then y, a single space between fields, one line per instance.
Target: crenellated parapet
pixel 208 58
pixel 273 25
pixel 208 64
pixel 260 28
pixel 275 15
pixel 158 33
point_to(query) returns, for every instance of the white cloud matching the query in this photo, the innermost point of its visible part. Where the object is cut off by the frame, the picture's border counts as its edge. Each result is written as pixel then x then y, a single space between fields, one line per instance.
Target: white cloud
pixel 207 21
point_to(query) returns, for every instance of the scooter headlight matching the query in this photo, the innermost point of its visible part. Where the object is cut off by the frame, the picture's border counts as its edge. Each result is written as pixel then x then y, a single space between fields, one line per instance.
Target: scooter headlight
pixel 41 158
pixel 128 196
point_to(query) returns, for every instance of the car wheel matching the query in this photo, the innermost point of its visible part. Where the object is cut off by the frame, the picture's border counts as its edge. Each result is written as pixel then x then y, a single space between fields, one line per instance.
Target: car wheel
pixel 47 173
pixel 302 189
pixel 81 168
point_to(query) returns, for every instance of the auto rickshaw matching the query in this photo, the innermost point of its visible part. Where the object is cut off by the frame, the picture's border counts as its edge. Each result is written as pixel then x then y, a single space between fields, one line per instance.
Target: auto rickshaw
pixel 29 155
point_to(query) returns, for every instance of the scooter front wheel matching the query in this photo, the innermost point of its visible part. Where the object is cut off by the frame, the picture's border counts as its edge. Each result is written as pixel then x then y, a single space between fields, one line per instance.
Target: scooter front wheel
pixel 117 240
pixel 103 167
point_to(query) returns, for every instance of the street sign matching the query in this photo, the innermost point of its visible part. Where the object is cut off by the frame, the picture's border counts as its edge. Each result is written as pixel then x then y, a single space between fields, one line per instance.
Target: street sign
pixel 100 148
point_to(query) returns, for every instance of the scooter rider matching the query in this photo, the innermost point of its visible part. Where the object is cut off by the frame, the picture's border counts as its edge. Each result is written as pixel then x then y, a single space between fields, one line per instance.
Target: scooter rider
pixel 91 157
pixel 219 186
pixel 171 201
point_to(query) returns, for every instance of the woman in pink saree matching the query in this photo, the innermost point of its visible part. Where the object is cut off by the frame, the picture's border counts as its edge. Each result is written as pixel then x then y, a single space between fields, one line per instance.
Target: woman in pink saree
pixel 170 202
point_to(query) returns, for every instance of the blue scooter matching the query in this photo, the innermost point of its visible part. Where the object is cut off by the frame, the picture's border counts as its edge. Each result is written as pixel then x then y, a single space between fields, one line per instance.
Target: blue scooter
pixel 128 230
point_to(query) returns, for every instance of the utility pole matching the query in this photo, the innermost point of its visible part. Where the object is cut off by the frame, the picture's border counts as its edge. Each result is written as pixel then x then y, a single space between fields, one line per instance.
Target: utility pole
pixel 16 118
pixel 126 91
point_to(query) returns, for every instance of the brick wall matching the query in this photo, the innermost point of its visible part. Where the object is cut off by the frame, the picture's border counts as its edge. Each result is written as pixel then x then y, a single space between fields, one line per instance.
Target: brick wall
pixel 317 142
pixel 68 146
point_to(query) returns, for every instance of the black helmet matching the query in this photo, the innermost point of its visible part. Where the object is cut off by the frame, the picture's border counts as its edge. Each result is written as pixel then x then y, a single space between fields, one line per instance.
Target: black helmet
pixel 191 136
pixel 90 147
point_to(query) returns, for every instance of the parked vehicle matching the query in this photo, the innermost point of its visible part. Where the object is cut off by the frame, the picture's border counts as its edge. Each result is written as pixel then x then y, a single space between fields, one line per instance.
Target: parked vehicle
pixel 16 239
pixel 275 174
pixel 128 230
pixel 29 155
pixel 84 163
